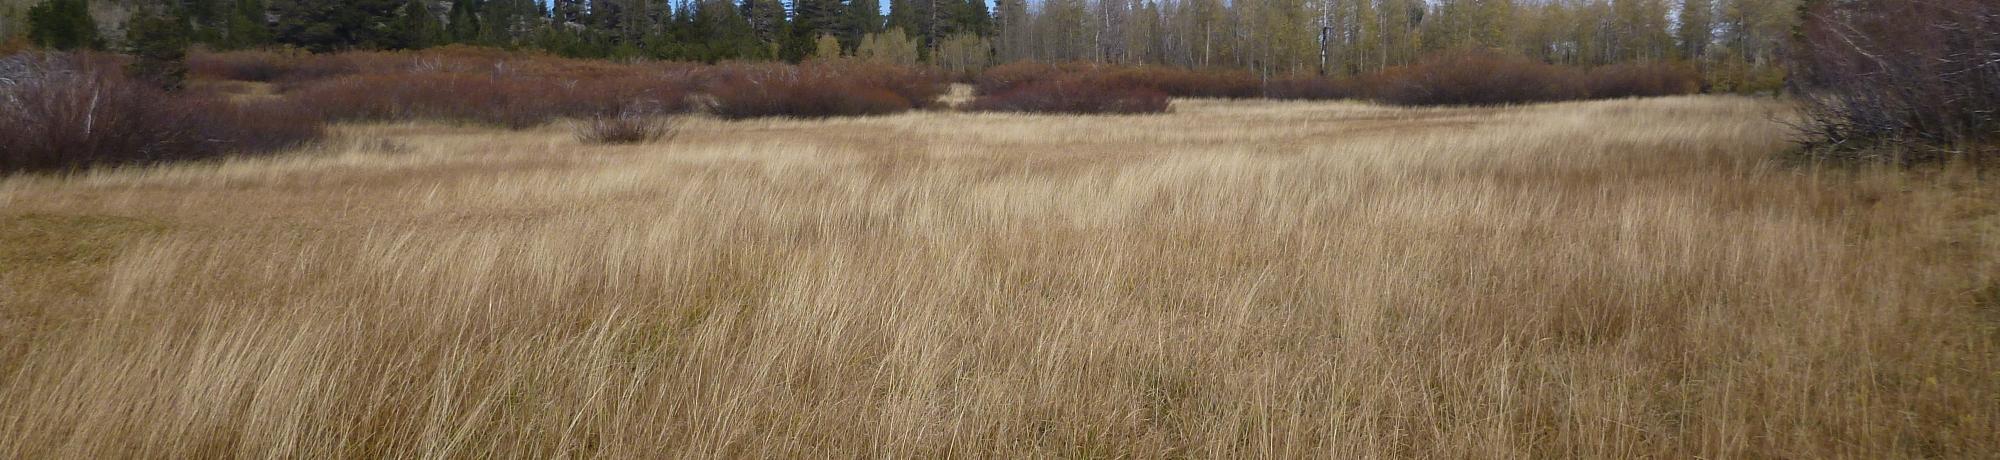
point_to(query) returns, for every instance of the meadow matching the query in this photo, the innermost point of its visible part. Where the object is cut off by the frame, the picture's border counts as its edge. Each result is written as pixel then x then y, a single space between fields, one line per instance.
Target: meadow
pixel 1235 278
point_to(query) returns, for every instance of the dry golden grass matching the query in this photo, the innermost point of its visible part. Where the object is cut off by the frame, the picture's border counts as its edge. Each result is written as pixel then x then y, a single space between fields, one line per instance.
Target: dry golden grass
pixel 1607 279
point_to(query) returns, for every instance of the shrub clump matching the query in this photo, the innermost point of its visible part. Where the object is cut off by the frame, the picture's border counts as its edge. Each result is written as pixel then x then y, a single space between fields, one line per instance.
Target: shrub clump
pixel 70 112
pixel 1074 95
pixel 1311 89
pixel 1475 78
pixel 818 90
pixel 514 102
pixel 1004 77
pixel 636 126
pixel 1229 84
pixel 1170 81
pixel 258 66
pixel 1641 79
pixel 1908 81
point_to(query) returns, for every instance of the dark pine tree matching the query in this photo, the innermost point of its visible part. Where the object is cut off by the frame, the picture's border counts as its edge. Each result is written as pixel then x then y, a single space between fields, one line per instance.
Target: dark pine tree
pixel 810 20
pixel 416 27
pixel 723 34
pixel 971 16
pixel 159 45
pixel 207 20
pixel 766 18
pixel 320 25
pixel 462 24
pixel 861 17
pixel 63 25
pixel 247 26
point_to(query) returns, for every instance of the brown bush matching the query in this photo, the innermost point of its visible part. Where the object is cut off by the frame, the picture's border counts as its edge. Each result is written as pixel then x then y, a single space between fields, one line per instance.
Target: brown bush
pixel 1641 79
pixel 1475 78
pixel 1233 84
pixel 262 66
pixel 921 87
pixel 1922 78
pixel 816 90
pixel 63 113
pixel 296 68
pixel 511 102
pixel 259 125
pixel 1081 94
pixel 629 127
pixel 14 44
pixel 1311 88
pixel 1004 77
pixel 1170 81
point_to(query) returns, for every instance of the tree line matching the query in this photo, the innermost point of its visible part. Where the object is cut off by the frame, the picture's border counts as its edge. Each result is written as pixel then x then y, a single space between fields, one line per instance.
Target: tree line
pixel 1737 42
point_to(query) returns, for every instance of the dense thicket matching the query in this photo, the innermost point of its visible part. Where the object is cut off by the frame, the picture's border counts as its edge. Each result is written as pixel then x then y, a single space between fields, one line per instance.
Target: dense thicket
pixel 519 90
pixel 1920 76
pixel 66 112
pixel 1452 78
pixel 1074 94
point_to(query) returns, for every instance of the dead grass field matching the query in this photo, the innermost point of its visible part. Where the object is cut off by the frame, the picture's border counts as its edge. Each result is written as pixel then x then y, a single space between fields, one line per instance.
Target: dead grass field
pixel 1610 279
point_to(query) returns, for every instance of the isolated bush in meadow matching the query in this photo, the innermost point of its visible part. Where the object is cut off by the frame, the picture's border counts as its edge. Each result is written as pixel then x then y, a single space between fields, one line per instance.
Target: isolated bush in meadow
pixel 69 112
pixel 633 126
pixel 1641 79
pixel 1082 94
pixel 817 90
pixel 1475 78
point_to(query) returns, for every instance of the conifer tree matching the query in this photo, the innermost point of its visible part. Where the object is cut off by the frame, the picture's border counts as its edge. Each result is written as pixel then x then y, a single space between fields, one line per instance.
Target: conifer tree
pixel 247 25
pixel 417 27
pixel 63 25
pixel 861 17
pixel 320 25
pixel 810 20
pixel 463 25
pixel 158 44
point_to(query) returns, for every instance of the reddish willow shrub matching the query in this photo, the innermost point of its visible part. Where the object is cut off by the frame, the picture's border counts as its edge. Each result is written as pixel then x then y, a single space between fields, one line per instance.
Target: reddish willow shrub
pixel 1171 81
pixel 260 66
pixel 1475 78
pixel 1001 78
pixel 294 67
pixel 1459 78
pixel 1232 84
pixel 817 90
pixel 921 88
pixel 69 112
pixel 1641 79
pixel 523 90
pixel 1312 88
pixel 1081 94
pixel 1486 78
pixel 510 102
